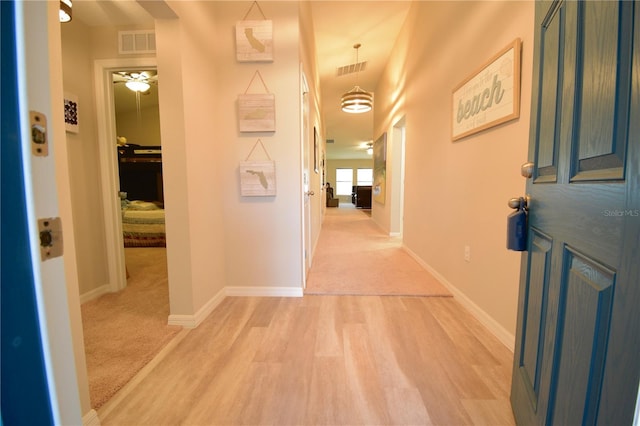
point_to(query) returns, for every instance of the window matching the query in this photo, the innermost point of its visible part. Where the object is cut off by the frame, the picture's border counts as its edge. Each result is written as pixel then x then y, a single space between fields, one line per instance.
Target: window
pixel 364 177
pixel 344 181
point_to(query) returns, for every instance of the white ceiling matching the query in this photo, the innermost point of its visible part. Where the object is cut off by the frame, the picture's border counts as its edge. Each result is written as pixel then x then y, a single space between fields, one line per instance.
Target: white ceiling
pixel 338 25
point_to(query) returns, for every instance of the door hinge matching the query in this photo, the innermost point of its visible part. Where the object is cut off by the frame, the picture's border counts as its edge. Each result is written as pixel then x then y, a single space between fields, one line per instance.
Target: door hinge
pixel 50 230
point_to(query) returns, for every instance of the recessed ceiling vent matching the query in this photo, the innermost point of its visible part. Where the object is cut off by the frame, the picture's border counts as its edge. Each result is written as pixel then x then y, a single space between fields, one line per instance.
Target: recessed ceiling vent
pixel 130 42
pixel 350 69
pixel 330 140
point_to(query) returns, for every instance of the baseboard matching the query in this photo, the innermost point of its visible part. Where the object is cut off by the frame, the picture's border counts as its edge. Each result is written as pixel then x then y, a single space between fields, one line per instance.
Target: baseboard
pixel 192 321
pixel 95 293
pixel 91 418
pixel 487 320
pixel 395 234
pixel 265 291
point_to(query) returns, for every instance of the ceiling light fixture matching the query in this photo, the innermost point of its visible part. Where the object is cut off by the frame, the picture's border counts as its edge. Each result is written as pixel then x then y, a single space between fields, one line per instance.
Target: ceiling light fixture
pixel 357 100
pixel 137 84
pixel 370 148
pixel 65 10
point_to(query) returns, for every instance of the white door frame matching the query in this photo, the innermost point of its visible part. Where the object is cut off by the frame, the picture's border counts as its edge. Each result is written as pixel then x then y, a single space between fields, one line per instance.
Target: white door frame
pixel 306 176
pixel 110 183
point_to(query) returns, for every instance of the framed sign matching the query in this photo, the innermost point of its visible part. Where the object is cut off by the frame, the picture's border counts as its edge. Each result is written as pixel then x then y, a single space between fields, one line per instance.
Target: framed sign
pixel 258 178
pixel 490 96
pixel 71 121
pixel 254 41
pixel 257 112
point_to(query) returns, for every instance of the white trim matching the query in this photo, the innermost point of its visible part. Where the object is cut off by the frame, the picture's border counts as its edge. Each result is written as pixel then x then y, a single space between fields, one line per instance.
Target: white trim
pixel 105 116
pixel 91 418
pixel 265 291
pixel 95 293
pixel 192 321
pixel 395 234
pixel 492 325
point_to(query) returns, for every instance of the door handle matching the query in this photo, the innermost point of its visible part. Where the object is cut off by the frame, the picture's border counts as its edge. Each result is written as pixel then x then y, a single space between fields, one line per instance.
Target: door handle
pixel 526 169
pixel 309 193
pixel 520 202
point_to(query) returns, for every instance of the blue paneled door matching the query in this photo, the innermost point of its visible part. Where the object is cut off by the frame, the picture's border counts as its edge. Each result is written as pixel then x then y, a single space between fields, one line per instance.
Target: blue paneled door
pixel 577 354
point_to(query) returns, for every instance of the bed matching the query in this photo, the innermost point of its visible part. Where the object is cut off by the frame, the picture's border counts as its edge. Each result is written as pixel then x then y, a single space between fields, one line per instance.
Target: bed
pixel 143 224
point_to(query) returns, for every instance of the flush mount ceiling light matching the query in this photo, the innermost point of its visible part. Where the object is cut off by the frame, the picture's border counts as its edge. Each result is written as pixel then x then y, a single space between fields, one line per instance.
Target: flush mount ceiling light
pixel 357 100
pixel 65 11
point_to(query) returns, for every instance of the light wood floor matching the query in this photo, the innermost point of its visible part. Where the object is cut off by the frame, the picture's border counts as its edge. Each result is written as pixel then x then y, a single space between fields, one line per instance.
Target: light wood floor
pixel 327 360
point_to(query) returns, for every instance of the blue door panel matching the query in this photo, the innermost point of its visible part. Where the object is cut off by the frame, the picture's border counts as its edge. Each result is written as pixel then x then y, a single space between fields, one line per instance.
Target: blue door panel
pixel 24 391
pixel 577 353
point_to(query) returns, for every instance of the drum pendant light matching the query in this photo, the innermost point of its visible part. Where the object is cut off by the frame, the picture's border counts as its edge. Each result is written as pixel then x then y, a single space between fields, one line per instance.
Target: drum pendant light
pixel 357 100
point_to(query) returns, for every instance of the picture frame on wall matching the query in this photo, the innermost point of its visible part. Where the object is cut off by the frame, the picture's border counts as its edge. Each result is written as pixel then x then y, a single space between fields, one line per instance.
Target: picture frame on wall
pixel 254 41
pixel 489 96
pixel 71 118
pixel 316 150
pixel 257 112
pixel 379 187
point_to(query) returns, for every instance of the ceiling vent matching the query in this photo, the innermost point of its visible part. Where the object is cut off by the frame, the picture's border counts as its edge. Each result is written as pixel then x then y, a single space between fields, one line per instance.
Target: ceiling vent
pixel 350 69
pixel 330 140
pixel 133 42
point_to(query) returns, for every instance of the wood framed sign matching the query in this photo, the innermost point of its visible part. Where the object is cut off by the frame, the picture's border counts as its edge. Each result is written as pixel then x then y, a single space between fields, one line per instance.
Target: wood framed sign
pixel 254 41
pixel 257 178
pixel 490 96
pixel 257 112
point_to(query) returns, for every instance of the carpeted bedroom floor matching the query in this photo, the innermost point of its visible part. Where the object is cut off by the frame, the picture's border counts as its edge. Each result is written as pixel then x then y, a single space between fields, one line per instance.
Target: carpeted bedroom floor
pixel 123 331
pixel 355 257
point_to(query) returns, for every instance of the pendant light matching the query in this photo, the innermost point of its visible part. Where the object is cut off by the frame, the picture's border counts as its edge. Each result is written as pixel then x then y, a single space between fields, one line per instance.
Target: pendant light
pixel 357 100
pixel 64 14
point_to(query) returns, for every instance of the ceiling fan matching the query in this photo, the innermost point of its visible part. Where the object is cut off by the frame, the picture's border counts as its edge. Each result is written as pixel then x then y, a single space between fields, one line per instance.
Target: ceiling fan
pixel 136 81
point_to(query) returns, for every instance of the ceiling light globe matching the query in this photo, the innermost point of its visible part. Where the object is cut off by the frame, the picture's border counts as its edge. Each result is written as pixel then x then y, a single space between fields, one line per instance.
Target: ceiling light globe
pixel 137 86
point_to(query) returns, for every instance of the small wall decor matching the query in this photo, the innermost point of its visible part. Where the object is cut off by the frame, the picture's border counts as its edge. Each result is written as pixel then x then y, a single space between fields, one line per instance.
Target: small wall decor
pixel 316 150
pixel 71 122
pixel 258 178
pixel 379 189
pixel 254 39
pixel 490 96
pixel 257 112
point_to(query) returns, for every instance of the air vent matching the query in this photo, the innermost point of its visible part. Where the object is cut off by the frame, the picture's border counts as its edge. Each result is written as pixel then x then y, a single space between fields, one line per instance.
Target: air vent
pixel 350 69
pixel 130 42
pixel 330 140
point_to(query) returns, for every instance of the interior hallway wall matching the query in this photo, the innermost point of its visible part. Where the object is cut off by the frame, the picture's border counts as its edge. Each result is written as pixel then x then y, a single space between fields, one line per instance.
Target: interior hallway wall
pixel 456 192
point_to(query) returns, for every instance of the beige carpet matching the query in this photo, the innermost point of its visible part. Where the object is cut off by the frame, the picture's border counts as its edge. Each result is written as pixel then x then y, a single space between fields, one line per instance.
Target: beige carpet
pixel 123 331
pixel 355 257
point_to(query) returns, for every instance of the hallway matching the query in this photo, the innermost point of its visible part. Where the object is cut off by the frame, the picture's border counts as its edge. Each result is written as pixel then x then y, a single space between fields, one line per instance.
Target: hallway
pixel 354 256
pixel 331 359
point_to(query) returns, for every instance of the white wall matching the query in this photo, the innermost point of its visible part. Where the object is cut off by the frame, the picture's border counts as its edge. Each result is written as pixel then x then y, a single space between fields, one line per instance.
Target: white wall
pixel 456 193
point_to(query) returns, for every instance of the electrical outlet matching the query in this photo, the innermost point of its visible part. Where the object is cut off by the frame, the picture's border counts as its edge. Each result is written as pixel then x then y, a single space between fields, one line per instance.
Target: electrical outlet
pixel 467 253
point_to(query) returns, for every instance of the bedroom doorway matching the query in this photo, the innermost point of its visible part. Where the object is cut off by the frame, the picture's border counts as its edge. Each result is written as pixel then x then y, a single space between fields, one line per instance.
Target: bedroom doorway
pixel 131 163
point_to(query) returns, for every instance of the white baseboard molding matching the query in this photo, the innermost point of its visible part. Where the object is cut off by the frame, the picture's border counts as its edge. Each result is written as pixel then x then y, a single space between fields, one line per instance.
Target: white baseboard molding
pixel 95 293
pixel 395 234
pixel 192 321
pixel 487 320
pixel 265 291
pixel 91 418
